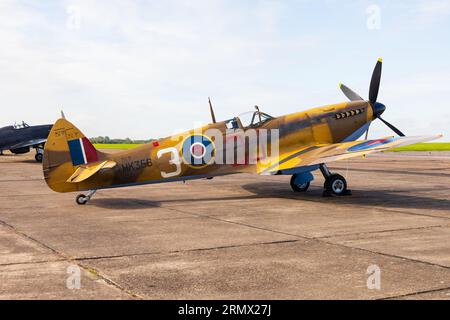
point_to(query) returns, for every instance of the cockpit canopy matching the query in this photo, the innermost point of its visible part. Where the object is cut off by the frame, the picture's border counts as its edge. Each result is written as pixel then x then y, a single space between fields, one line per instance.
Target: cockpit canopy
pixel 22 125
pixel 249 119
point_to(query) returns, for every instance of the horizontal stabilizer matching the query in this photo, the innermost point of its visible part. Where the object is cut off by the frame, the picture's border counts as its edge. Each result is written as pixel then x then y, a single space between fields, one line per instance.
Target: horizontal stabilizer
pixel 87 171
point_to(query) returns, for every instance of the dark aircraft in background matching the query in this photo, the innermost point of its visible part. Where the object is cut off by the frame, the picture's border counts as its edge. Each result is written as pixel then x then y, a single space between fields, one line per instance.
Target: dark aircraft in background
pixel 21 138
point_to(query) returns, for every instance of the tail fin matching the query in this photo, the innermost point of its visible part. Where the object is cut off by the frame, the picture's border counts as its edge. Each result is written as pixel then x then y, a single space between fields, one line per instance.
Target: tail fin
pixel 66 149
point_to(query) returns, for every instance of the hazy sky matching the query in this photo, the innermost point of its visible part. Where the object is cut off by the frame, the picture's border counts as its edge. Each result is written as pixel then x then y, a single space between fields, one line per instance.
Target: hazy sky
pixel 144 69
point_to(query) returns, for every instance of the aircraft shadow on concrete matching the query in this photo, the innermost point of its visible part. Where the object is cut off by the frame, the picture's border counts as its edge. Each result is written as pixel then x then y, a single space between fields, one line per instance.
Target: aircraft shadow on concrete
pixel 372 197
pixel 382 198
pixel 30 161
pixel 124 203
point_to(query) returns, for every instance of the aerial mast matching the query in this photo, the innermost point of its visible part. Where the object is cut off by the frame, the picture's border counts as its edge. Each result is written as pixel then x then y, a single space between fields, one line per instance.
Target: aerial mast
pixel 213 116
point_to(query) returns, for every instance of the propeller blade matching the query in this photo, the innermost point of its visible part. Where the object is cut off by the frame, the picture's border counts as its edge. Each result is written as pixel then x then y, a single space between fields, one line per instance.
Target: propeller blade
pixel 375 82
pixel 367 133
pixel 401 134
pixel 349 93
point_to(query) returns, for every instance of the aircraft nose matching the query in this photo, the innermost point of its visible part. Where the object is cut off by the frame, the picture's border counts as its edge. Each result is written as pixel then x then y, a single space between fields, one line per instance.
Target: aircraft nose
pixel 378 109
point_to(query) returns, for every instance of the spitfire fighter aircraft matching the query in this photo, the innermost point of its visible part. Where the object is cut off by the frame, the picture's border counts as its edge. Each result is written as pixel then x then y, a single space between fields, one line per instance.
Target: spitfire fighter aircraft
pixel 295 144
pixel 19 138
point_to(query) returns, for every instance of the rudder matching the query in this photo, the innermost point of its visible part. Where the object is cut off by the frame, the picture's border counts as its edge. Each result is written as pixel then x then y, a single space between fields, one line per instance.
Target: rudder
pixel 66 149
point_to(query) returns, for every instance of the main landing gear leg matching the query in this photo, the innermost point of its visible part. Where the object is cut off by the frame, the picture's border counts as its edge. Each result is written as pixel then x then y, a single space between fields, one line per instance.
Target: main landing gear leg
pixel 83 199
pixel 335 184
pixel 39 154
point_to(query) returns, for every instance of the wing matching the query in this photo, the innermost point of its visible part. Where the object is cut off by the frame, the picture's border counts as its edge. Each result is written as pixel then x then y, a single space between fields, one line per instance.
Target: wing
pixel 318 154
pixel 86 171
pixel 28 143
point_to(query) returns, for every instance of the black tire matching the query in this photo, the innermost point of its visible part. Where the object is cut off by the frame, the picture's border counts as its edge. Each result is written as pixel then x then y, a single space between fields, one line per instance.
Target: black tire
pixel 336 184
pixel 299 187
pixel 81 199
pixel 38 157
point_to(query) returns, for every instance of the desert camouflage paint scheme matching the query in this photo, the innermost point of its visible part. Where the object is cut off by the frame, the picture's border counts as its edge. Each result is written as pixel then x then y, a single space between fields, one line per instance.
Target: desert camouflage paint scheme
pixel 304 139
pixel 296 144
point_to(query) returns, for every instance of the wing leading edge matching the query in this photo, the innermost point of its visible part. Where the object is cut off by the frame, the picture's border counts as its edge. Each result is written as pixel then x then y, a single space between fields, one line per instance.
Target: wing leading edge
pixel 29 143
pixel 318 154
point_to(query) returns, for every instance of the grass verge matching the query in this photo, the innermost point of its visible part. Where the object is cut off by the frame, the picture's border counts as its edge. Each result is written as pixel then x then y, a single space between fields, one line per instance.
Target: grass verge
pixel 429 146
pixel 436 146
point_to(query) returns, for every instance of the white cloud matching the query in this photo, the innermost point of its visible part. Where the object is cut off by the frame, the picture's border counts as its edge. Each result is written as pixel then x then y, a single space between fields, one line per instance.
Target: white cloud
pixel 142 68
pixel 129 68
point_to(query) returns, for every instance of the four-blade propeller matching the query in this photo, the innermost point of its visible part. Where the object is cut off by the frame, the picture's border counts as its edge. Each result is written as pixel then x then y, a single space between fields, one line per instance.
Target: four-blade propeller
pixel 378 108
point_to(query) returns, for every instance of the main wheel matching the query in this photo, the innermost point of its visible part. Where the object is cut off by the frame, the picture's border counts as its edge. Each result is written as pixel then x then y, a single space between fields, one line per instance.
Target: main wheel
pixel 299 187
pixel 336 184
pixel 38 157
pixel 81 199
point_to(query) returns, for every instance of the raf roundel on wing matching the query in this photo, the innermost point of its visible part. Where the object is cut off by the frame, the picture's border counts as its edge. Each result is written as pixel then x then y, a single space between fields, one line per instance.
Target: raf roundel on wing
pixel 371 144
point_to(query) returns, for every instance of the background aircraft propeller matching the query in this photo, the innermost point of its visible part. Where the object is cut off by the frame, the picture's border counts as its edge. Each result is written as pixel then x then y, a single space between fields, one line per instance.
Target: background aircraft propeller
pixel 378 108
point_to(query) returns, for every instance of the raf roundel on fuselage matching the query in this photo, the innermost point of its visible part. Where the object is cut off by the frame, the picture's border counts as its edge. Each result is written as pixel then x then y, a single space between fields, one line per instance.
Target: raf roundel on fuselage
pixel 198 151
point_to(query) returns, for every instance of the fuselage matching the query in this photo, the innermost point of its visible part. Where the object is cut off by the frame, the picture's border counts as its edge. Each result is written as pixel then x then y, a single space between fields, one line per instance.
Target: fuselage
pixel 161 160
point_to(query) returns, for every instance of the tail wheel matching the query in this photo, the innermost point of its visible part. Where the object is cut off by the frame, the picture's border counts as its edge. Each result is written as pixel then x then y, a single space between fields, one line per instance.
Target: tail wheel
pixel 336 184
pixel 299 187
pixel 81 199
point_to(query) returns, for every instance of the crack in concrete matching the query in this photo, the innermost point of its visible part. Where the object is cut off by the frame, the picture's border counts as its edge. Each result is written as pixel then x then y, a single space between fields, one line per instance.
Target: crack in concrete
pixel 182 251
pixel 30 262
pixel 70 260
pixel 332 243
pixel 318 239
pixel 381 231
pixel 414 293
